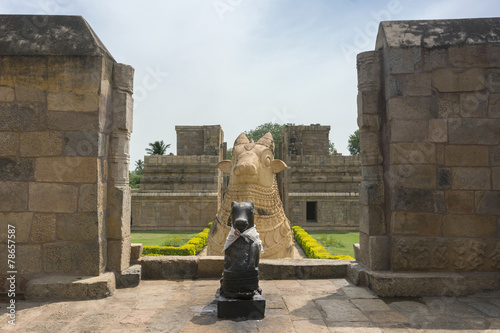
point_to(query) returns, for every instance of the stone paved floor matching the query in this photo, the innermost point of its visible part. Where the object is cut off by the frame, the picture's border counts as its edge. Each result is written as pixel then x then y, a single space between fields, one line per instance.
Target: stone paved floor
pixel 292 306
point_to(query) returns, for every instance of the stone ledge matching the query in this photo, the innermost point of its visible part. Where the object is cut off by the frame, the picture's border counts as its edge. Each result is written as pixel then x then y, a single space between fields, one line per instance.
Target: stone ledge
pixel 71 287
pixel 129 278
pixel 179 267
pixel 393 284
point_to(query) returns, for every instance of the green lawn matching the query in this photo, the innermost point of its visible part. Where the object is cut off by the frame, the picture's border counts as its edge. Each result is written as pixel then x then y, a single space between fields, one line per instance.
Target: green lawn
pixel 162 238
pixel 336 242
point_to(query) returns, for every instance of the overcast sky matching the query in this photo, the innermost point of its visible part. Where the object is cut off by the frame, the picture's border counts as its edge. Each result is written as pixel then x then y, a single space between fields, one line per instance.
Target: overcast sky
pixel 242 63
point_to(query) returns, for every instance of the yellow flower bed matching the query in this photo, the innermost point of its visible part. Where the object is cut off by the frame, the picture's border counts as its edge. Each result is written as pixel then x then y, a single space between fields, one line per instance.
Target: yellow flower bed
pixel 312 248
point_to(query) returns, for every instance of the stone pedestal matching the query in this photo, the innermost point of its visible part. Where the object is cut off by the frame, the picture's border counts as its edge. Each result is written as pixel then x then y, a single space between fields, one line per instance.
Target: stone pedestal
pixel 230 308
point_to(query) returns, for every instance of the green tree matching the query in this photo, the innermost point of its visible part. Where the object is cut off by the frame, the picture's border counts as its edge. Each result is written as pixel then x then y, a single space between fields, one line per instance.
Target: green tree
pixel 157 148
pixel 261 130
pixel 353 143
pixel 229 154
pixel 139 167
pixel 331 148
pixel 134 179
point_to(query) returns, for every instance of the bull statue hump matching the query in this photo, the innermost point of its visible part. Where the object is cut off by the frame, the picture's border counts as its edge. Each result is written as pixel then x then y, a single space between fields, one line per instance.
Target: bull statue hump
pixel 252 178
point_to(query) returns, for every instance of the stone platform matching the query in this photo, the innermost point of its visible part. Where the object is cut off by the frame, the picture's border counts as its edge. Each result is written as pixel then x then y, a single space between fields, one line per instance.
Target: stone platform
pixel 329 305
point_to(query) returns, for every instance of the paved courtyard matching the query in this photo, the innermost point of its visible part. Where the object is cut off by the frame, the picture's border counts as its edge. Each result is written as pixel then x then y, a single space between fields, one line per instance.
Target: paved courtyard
pixel 292 306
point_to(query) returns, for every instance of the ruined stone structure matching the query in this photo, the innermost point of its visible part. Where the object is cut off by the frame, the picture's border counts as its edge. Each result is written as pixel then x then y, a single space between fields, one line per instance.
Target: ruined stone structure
pixel 320 191
pixel 428 110
pixel 66 119
pixel 181 192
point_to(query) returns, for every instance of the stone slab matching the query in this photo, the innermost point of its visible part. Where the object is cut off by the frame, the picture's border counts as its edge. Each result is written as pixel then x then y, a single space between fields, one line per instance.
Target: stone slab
pixel 129 278
pixel 71 287
pixel 254 308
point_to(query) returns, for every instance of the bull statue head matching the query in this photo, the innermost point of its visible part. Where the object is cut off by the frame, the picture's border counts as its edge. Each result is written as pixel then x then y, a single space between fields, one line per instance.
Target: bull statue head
pixel 253 162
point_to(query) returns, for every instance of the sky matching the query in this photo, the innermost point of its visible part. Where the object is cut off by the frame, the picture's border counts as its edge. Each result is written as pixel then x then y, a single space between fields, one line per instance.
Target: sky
pixel 242 63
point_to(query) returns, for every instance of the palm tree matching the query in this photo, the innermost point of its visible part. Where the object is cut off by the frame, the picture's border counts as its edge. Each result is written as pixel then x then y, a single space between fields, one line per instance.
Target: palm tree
pixel 157 148
pixel 139 167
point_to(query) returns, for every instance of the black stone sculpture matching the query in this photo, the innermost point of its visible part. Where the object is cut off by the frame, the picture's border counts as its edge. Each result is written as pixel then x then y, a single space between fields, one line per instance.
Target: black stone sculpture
pixel 240 295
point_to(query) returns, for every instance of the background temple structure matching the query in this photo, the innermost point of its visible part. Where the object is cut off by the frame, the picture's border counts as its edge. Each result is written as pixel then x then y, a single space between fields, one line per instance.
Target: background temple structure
pixel 179 192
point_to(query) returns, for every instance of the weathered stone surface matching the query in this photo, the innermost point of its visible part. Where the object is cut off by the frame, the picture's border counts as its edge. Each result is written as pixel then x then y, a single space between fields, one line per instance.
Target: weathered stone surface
pixel 474 105
pixel 473 131
pixel 253 309
pixel 434 58
pixel 469 226
pixel 136 252
pixel 92 197
pixel 485 55
pixel 494 106
pixel 448 105
pixel 29 258
pixel 444 178
pixel 73 169
pixel 118 254
pixel 438 130
pixel 44 228
pixel 41 143
pixel 423 200
pixel 171 267
pixel 369 122
pixel 211 267
pixel 488 202
pixel 9 143
pixel 16 169
pixel 73 121
pixel 471 178
pixel 379 253
pixel 418 84
pixel 371 220
pixel 130 277
pixel 460 202
pixel 52 198
pixel 77 75
pixel 123 77
pixel 19 117
pixel 79 227
pixel 371 193
pixel 278 269
pixel 29 94
pixel 72 102
pixel 368 64
pixel 71 287
pixel 368 102
pixel 421 224
pixel 413 176
pixel 458 80
pixel 118 212
pixel 408 130
pixel 72 258
pixel 466 155
pixel 123 104
pixel 401 60
pixel 413 153
pixel 84 144
pixel 14 196
pixel 6 94
pixel 21 221
pixel 495 156
pixel 419 108
pixel 495 174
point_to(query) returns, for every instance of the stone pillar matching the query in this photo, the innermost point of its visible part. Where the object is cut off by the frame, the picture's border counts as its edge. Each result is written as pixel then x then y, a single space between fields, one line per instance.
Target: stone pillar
pixel 374 242
pixel 119 199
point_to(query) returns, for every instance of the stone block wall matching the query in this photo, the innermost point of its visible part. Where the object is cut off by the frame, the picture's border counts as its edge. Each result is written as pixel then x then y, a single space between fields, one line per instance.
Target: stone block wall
pixel 66 113
pixel 320 191
pixel 430 133
pixel 181 192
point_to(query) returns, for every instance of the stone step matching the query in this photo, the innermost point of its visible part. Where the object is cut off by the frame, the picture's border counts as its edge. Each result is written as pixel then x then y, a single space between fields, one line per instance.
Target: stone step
pixel 71 287
pixel 180 267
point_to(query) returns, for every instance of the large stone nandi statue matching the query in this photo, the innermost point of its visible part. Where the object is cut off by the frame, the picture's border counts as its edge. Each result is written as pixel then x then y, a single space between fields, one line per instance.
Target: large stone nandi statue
pixel 252 178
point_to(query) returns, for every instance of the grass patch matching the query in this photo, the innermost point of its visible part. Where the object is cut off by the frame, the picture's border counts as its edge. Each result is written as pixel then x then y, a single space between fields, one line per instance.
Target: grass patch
pixel 162 238
pixel 336 242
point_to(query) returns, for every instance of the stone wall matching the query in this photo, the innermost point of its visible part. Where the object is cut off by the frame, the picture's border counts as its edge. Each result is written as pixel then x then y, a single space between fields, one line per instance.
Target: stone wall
pixel 181 192
pixel 429 117
pixel 66 118
pixel 320 191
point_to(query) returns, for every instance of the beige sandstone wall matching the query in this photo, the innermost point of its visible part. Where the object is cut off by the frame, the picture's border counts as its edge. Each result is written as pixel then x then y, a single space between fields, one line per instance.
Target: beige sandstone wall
pixel 181 192
pixel 428 110
pixel 66 113
pixel 331 181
